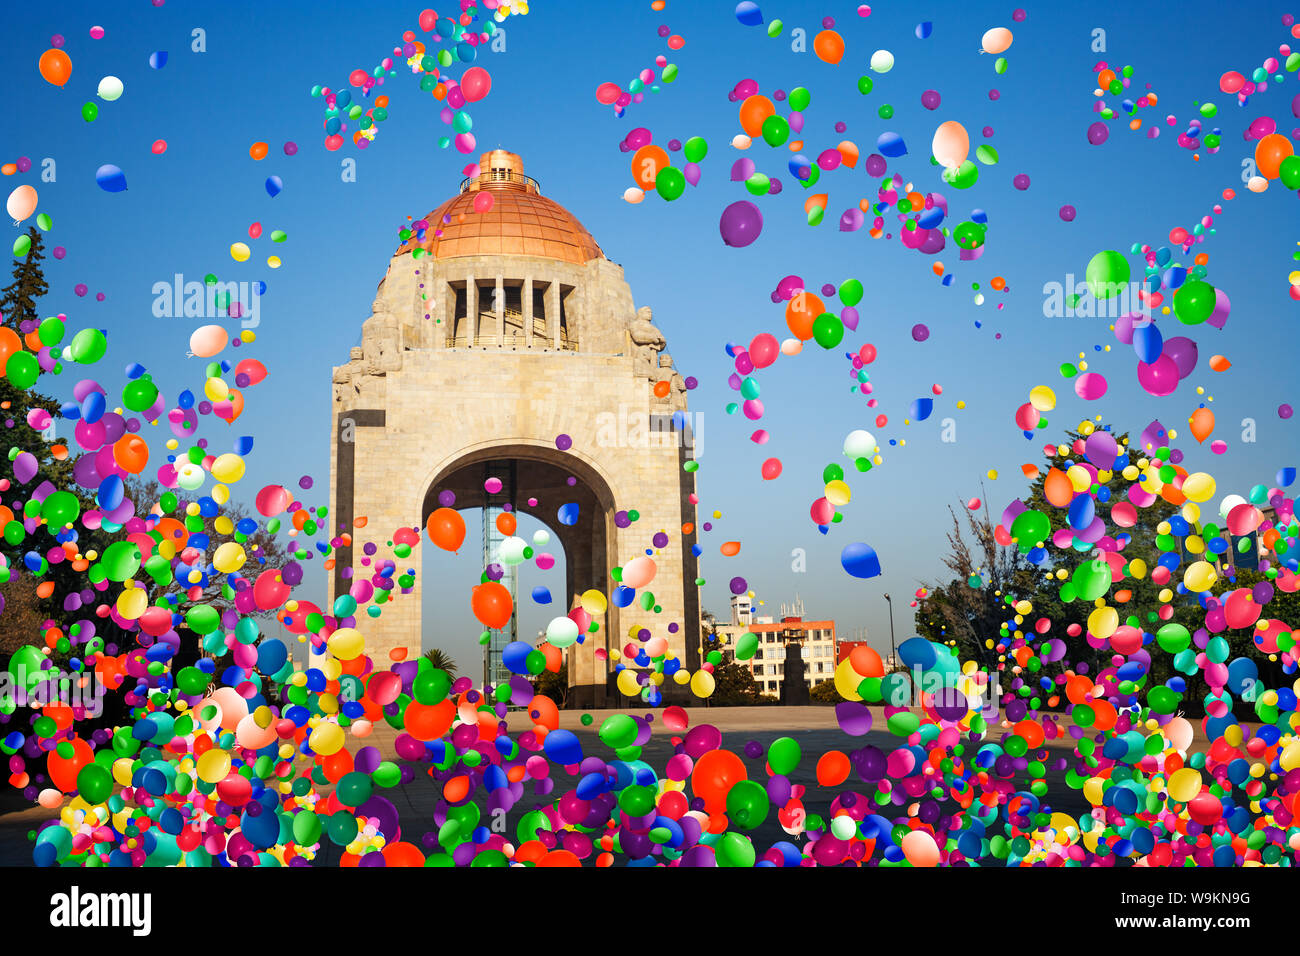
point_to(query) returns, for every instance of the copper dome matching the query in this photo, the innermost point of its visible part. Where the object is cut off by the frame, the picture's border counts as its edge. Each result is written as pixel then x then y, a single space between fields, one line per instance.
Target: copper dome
pixel 521 222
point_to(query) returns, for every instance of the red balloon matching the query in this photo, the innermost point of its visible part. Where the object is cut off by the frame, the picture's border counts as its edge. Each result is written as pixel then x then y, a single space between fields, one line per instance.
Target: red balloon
pixel 475 84
pixel 713 776
pixel 428 20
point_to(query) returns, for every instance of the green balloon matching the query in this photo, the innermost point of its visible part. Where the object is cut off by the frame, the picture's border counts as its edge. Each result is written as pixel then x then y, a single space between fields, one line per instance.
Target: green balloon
pixel 969 235
pixel 1107 274
pixel 619 731
pixel 89 112
pixel 986 154
pixel 758 184
pixel 799 99
pixel 814 174
pixel 850 292
pixel 695 149
pixel 306 828
pixel 1194 302
pixel 775 130
pixel 963 176
pixel 864 85
pixel 535 662
pixel 1029 528
pixel 784 755
pixel 431 686
pixel 201 618
pixel 139 395
pixel 747 804
pixel 735 849
pixel 670 183
pixel 341 828
pixel 122 559
pixel 746 646
pixel 492 858
pixel 828 330
pixel 353 789
pixel 88 346
pixel 94 783
pixel 60 508
pixel 22 369
pixel 1091 579
pixel 1173 638
pixel 50 331
pixel 22 246
pixel 637 801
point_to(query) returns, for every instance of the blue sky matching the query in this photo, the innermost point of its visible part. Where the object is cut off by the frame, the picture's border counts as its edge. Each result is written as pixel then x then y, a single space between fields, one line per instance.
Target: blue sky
pixel 183 210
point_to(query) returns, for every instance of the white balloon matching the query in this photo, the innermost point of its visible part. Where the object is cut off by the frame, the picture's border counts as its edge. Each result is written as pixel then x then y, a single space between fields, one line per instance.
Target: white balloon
pixel 512 550
pixel 882 61
pixel 110 88
pixel 791 347
pixel 860 444
pixel 562 632
pixel 541 538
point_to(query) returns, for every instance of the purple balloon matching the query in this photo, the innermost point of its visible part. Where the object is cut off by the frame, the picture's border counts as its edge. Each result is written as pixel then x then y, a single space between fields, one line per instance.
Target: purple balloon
pixel 850 318
pixel 742 169
pixel 876 165
pixel 740 224
pixel 692 173
pixel 1098 133
pixel 930 99
pixel 1184 353
pixel 1124 327
pixel 852 220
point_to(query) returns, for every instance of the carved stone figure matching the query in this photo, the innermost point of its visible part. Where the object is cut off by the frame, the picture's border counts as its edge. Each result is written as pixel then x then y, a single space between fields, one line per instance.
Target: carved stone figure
pixel 381 341
pixel 647 342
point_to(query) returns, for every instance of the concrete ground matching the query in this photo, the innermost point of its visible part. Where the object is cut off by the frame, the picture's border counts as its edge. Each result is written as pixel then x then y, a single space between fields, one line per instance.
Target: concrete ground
pixel 815 728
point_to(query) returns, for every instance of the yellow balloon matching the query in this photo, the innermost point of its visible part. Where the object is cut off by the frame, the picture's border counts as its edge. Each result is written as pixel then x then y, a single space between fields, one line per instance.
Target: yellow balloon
pixel 214 766
pixel 131 604
pixel 1198 487
pixel 702 684
pixel 216 389
pixel 122 771
pixel 838 493
pixel 681 677
pixel 1042 398
pixel 1185 784
pixel 346 643
pixel 240 252
pixel 847 681
pixel 1200 576
pixel 229 557
pixel 594 602
pixel 628 685
pixel 1092 790
pixel 1080 478
pixel 326 739
pixel 1137 568
pixel 228 468
pixel 1103 621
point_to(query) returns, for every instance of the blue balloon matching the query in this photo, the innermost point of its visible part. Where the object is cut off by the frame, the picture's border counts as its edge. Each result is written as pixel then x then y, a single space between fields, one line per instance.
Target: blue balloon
pixel 921 409
pixel 271 655
pixel 923 30
pixel 1285 477
pixel 273 185
pixel 747 12
pixel 860 560
pixel 1148 343
pixel 110 493
pixel 623 596
pixel 93 408
pixel 567 514
pixel 110 179
pixel 891 145
pixel 541 595
pixel 515 655
pixel 1082 512
pixel 563 747
pixel 917 652
pixel 158 59
pixel 243 444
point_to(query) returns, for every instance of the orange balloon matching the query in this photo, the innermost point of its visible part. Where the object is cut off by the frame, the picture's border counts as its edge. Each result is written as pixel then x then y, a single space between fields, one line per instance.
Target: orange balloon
pixel 336 765
pixel 9 344
pixel 543 712
pixel 753 111
pixel 429 721
pixel 1220 363
pixel 1269 153
pixel 715 773
pixel 446 529
pixel 1057 488
pixel 258 150
pixel 456 789
pixel 559 858
pixel 131 452
pixel 402 853
pixel 55 66
pixel 829 46
pixel 506 523
pixel 662 389
pixel 730 548
pixel 1202 423
pixel 832 768
pixel 801 313
pixel 63 770
pixel 865 661
pixel 492 604
pixel 646 163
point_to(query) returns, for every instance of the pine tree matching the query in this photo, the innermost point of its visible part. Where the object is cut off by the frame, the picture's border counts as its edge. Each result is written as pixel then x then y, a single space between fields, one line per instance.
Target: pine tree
pixel 18 313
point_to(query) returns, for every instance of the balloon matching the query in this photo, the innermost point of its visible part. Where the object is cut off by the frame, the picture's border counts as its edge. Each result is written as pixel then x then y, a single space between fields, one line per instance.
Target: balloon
pixel 951 144
pixel 492 605
pixel 110 179
pixel 754 111
pixel 740 224
pixel 446 529
pixel 771 469
pixel 747 12
pixel 21 203
pixel 860 560
pixel 829 46
pixel 110 89
pixel 1202 424
pixel 475 83
pixel 1194 302
pixel 273 186
pixel 1184 352
pixel 670 183
pixel 55 67
pixel 997 40
pixel 1269 154
pixel 1160 377
pixel 1107 274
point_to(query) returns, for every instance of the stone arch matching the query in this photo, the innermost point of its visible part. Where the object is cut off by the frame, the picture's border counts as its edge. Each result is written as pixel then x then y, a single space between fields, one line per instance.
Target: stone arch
pixel 540 470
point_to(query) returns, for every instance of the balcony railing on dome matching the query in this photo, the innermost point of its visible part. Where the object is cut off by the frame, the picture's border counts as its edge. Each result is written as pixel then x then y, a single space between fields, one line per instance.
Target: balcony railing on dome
pixel 501 176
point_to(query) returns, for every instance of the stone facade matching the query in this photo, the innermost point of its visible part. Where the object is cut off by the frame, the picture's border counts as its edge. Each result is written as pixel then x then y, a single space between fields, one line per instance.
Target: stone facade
pixel 448 379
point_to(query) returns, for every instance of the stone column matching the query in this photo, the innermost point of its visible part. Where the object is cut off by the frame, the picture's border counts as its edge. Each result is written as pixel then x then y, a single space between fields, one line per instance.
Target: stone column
pixel 437 300
pixel 472 310
pixel 553 313
pixel 526 301
pixel 500 304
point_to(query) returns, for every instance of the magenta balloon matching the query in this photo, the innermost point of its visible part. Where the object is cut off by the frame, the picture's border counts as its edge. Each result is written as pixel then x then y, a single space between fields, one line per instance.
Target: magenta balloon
pixel 789 287
pixel 638 137
pixel 913 238
pixel 746 88
pixel 1295 106
pixel 934 242
pixel 740 224
pixel 1160 377
pixel 1090 386
pixel 1184 353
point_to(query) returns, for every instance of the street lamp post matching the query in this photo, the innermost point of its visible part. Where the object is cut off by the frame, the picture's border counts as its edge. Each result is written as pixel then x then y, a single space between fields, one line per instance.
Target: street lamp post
pixel 892 651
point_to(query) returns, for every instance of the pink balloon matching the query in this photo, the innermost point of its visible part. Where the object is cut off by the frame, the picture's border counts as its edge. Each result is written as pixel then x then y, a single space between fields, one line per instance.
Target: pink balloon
pixel 764 350
pixel 1160 377
pixel 822 511
pixel 1091 386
